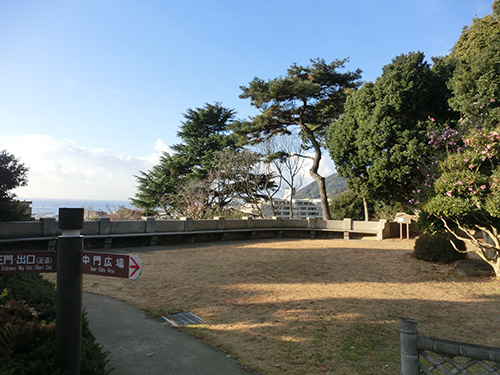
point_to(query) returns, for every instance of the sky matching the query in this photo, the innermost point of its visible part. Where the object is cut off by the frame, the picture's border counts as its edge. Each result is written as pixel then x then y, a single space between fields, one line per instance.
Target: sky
pixel 93 91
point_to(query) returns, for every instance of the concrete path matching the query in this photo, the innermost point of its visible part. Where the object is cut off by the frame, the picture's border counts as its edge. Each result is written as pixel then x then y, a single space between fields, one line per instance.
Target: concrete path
pixel 138 344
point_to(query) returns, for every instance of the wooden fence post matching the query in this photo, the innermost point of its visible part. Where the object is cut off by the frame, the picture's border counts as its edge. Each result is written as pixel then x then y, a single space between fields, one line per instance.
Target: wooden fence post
pixel 409 349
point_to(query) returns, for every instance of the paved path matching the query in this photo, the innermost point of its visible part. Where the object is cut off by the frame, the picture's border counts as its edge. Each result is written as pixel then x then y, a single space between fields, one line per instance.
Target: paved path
pixel 142 345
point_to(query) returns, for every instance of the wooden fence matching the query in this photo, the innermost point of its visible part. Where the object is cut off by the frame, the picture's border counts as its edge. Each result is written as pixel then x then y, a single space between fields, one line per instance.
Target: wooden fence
pixel 424 355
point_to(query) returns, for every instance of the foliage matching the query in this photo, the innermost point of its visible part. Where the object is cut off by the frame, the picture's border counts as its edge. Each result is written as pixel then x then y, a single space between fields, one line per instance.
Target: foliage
pixel 309 98
pixel 387 210
pixel 438 248
pixel 121 213
pixel 12 175
pixel 13 210
pixel 34 290
pixel 467 191
pixel 158 187
pixel 27 329
pixel 347 205
pixel 246 178
pixel 204 133
pixel 124 213
pixel 429 224
pixel 476 77
pixel 27 340
pixel 381 138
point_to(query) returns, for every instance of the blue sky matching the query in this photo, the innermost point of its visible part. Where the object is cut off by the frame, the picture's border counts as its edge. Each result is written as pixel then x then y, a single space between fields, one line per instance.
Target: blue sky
pixel 91 92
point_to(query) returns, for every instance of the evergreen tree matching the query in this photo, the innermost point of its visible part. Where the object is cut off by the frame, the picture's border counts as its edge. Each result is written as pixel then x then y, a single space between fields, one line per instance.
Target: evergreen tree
pixel 309 98
pixel 204 134
pixel 13 174
pixel 475 83
pixel 382 136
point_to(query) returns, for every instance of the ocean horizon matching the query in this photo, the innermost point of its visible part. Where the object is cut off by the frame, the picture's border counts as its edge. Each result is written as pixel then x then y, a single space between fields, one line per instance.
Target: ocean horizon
pixel 50 206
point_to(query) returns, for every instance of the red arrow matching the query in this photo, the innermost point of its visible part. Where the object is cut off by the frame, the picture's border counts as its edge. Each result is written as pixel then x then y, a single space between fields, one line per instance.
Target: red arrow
pixel 135 267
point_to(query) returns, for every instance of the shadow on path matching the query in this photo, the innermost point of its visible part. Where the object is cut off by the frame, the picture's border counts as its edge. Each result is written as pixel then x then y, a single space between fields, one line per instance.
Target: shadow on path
pixel 138 344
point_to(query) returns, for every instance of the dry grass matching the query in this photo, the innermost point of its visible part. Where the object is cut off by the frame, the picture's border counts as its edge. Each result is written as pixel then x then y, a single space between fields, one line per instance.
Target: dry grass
pixel 310 306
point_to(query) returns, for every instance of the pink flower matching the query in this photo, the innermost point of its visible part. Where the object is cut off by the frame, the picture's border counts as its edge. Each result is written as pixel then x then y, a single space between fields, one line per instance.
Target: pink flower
pixel 448 193
pixel 459 182
pixel 483 187
pixel 470 189
pixel 471 166
pixel 432 119
pixel 492 100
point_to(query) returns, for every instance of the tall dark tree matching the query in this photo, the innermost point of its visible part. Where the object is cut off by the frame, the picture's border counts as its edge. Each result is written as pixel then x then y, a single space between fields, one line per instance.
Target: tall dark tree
pixel 204 133
pixel 310 98
pixel 475 83
pixel 381 138
pixel 243 177
pixel 158 187
pixel 13 174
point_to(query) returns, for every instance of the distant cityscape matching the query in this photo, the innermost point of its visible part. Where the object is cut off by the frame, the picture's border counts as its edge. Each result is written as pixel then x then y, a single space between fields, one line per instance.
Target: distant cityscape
pixel 305 204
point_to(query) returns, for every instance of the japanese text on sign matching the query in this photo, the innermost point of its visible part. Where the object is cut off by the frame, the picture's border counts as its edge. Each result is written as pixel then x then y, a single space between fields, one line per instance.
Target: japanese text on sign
pixel 28 261
pixel 117 265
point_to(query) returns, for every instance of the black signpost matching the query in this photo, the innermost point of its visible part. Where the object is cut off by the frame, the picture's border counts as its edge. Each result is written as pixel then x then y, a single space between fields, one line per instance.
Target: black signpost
pixel 70 262
pixel 69 290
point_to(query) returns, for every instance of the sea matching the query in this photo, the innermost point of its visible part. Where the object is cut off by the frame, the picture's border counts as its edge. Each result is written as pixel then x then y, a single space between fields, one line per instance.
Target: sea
pixel 45 207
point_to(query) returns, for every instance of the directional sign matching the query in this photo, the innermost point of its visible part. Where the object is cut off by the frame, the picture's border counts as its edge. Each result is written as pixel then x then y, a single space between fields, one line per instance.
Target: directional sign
pixel 104 264
pixel 107 264
pixel 28 262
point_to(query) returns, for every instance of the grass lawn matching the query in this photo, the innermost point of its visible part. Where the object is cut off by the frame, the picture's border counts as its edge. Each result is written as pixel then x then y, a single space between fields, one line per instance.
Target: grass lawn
pixel 309 306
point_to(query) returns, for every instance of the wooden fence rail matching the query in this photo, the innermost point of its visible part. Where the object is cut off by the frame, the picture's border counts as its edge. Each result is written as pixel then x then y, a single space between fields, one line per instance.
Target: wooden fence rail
pixel 424 355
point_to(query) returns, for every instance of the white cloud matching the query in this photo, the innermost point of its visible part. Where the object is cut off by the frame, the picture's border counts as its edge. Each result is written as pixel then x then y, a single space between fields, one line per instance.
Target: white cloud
pixel 63 169
pixel 162 147
pixel 66 170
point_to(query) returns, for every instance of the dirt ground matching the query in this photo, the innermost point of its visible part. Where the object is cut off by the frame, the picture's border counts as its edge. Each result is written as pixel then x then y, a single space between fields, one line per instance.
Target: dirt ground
pixel 309 306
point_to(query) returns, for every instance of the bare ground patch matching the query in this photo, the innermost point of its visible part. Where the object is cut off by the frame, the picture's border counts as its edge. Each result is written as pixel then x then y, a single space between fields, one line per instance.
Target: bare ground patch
pixel 309 306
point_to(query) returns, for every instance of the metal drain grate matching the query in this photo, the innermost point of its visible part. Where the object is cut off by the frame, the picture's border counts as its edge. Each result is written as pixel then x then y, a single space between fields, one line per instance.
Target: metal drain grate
pixel 182 319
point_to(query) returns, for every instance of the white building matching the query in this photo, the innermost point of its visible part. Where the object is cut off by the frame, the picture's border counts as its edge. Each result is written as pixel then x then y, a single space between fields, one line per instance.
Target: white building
pixel 301 208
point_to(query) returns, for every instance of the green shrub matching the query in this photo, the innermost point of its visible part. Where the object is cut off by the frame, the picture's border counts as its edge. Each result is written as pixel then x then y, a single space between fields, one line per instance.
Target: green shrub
pixel 430 224
pixel 36 291
pixel 438 248
pixel 26 343
pixel 27 329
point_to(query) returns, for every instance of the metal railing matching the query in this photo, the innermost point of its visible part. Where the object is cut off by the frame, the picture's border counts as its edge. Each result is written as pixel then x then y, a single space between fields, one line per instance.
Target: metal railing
pixel 424 355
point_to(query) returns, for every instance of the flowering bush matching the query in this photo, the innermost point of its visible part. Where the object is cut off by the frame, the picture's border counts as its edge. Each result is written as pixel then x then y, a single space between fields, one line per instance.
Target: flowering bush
pixel 466 193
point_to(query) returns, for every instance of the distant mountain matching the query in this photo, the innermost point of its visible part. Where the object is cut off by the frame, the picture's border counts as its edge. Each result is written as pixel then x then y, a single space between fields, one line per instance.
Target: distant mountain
pixel 334 185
